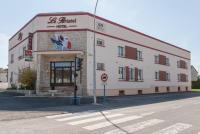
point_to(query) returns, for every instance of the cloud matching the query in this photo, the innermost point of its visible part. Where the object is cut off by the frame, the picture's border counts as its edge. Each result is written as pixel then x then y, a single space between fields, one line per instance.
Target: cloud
pixel 3 50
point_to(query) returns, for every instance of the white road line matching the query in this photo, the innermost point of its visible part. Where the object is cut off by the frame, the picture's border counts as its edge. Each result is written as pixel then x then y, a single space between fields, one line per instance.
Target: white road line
pixel 135 127
pixel 81 116
pixel 146 114
pixel 58 115
pixel 107 123
pixel 176 107
pixel 174 129
pixel 94 119
pixel 196 103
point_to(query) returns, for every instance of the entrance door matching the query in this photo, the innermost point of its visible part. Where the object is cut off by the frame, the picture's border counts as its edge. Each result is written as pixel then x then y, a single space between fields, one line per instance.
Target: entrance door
pixel 62 73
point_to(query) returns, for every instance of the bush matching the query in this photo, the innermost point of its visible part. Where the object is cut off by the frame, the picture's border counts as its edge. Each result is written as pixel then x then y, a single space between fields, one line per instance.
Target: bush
pixel 196 84
pixel 28 78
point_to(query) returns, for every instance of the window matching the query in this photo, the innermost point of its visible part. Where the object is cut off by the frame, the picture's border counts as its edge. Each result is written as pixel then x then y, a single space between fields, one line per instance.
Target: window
pixel 179 77
pixel 167 61
pixel 168 76
pixel 11 77
pixel 139 55
pixel 156 58
pixel 121 51
pixel 178 64
pixel 122 73
pixel 131 74
pixel 140 74
pixel 100 42
pixel 24 49
pixel 156 75
pixel 100 66
pixel 12 58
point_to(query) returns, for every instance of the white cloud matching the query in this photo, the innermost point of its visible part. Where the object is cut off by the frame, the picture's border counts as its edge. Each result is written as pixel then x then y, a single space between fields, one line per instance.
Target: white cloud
pixel 3 50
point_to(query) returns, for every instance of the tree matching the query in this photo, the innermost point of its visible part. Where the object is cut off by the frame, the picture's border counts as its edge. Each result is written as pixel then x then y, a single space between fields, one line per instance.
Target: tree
pixel 28 78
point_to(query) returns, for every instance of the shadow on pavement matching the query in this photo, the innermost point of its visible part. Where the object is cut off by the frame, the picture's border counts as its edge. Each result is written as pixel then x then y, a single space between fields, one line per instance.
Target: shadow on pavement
pixel 15 102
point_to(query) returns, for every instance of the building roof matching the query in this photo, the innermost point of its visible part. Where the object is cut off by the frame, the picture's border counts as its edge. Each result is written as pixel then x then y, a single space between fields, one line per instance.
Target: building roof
pixel 103 19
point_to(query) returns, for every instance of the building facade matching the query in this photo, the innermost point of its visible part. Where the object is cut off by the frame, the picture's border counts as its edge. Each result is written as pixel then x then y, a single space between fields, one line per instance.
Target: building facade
pixel 134 62
pixel 194 74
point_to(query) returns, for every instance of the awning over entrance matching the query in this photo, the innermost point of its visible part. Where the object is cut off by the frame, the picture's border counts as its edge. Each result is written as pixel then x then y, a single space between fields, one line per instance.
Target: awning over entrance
pixel 69 52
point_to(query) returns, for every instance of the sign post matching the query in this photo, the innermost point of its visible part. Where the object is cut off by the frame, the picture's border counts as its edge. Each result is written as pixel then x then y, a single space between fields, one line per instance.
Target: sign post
pixel 104 78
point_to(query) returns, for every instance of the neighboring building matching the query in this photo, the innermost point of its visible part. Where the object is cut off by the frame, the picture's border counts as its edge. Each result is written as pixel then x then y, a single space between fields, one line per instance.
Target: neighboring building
pixel 3 75
pixel 194 74
pixel 136 63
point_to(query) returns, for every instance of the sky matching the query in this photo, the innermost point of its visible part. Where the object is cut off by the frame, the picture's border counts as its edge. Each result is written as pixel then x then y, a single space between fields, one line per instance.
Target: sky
pixel 173 21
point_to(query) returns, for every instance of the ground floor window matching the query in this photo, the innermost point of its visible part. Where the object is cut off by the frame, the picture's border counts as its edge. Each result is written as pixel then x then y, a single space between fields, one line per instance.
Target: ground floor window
pixel 62 73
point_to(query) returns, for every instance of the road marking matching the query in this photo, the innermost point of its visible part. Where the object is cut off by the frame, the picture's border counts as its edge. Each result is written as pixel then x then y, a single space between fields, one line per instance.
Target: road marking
pixel 196 103
pixel 135 127
pixel 81 116
pixel 146 114
pixel 176 107
pixel 94 119
pixel 58 115
pixel 174 129
pixel 112 122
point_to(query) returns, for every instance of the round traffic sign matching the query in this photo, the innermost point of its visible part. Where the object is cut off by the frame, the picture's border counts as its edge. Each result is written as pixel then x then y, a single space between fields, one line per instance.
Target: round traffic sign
pixel 104 77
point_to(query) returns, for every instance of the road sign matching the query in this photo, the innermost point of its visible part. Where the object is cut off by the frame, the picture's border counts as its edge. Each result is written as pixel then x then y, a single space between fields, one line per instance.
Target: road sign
pixel 104 77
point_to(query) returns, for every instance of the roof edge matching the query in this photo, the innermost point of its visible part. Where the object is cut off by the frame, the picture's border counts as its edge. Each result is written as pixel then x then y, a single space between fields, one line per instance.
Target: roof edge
pixel 90 14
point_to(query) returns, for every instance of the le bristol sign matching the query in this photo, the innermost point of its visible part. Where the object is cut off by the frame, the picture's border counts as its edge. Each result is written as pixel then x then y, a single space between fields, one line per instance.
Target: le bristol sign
pixel 61 22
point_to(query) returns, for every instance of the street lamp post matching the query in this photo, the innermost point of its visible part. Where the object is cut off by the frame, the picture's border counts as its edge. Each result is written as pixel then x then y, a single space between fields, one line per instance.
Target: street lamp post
pixel 94 56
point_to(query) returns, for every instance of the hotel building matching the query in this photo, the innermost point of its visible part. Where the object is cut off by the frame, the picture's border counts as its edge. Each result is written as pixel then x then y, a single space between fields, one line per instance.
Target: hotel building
pixel 135 63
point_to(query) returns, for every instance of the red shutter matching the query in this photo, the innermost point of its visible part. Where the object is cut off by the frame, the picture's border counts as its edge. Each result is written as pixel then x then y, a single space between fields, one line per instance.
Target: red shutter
pixel 183 78
pixel 182 64
pixel 127 73
pixel 162 76
pixel 130 52
pixel 136 74
pixel 162 59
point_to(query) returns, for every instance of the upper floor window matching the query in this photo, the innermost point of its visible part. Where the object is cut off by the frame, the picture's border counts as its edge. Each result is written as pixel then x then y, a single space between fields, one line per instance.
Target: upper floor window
pixel 122 73
pixel 12 58
pixel 156 75
pixel 121 51
pixel 168 76
pixel 100 42
pixel 140 74
pixel 167 61
pixel 156 59
pixel 139 55
pixel 100 66
pixel 131 74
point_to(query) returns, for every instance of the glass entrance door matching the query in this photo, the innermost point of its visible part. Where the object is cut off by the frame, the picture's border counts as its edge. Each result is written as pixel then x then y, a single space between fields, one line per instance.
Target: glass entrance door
pixel 62 73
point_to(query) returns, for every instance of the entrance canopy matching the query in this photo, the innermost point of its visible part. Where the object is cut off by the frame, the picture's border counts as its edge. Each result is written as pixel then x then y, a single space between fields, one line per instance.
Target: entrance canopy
pixel 68 52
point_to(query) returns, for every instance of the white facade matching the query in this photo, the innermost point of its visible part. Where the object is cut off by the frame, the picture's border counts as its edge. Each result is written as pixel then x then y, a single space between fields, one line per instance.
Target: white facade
pixel 78 27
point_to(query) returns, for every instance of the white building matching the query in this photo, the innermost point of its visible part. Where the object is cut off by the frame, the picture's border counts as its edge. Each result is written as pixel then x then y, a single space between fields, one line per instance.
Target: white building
pixel 135 62
pixel 194 74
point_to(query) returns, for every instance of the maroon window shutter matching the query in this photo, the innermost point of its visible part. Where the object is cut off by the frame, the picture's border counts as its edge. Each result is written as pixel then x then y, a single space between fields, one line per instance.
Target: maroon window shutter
pixel 162 59
pixel 183 77
pixel 162 76
pixel 127 73
pixel 183 64
pixel 136 74
pixel 130 52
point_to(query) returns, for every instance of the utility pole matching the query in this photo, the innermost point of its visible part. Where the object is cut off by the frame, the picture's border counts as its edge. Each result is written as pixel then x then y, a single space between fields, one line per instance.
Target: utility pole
pixel 94 57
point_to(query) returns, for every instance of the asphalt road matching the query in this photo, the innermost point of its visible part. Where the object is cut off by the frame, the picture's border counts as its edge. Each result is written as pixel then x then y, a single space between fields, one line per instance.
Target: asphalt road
pixel 146 114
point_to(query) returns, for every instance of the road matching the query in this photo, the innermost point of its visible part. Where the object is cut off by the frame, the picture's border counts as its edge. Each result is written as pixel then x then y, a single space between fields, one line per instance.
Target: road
pixel 176 113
